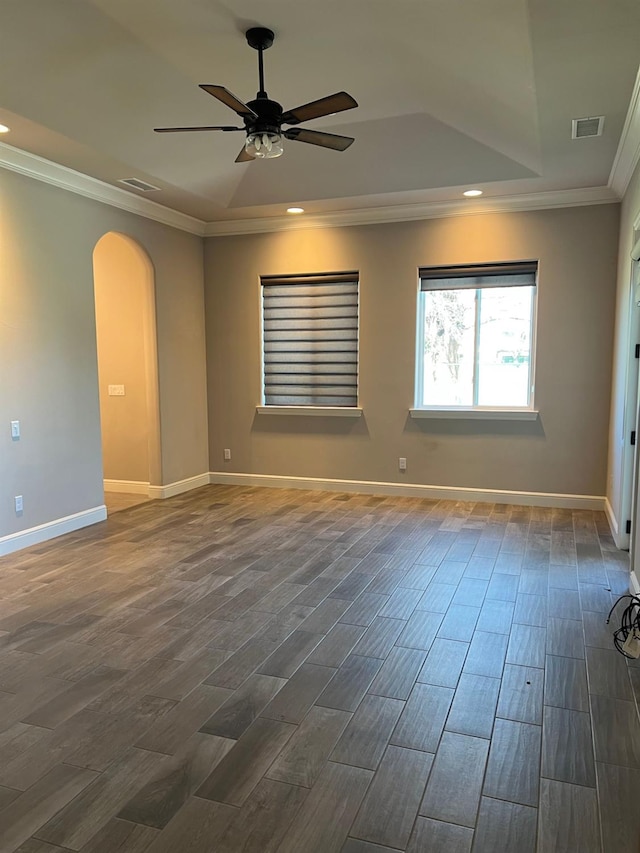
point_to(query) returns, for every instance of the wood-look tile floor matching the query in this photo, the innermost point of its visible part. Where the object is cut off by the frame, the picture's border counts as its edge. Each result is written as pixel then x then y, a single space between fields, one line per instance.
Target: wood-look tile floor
pixel 117 501
pixel 241 669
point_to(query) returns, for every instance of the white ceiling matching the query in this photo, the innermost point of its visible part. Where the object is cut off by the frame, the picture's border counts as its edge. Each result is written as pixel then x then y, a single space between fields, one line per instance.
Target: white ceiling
pixel 452 93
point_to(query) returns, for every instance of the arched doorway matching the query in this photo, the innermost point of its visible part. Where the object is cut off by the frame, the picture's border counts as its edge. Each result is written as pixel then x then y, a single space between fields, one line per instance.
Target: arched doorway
pixel 127 365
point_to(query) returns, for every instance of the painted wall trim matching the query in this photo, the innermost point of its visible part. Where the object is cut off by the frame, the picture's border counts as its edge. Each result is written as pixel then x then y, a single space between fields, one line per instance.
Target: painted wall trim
pixel 461 413
pixel 410 212
pixel 312 411
pixel 412 490
pixel 628 152
pixel 179 486
pixel 129 487
pixel 634 585
pixel 52 529
pixel 620 536
pixel 64 178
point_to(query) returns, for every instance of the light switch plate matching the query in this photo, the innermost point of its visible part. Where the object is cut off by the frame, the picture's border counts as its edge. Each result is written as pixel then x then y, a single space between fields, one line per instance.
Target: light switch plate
pixel 116 390
pixel 15 429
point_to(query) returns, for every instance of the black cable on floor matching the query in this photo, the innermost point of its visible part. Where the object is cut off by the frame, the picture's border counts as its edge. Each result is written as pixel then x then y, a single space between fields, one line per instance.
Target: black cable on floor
pixel 629 620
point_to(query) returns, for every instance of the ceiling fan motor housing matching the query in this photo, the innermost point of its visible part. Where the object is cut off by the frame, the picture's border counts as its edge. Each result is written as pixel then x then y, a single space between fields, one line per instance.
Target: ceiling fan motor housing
pixel 269 118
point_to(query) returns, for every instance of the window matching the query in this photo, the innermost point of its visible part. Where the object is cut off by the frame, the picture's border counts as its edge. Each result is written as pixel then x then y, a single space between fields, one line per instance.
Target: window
pixel 475 336
pixel 310 340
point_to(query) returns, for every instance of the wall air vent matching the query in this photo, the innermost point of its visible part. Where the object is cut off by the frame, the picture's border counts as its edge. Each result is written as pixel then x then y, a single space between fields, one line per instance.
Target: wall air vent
pixel 137 184
pixel 581 128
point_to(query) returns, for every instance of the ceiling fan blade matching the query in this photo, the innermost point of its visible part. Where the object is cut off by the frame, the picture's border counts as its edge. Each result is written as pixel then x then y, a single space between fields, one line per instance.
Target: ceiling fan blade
pixel 229 100
pixel 323 107
pixel 243 157
pixel 317 137
pixel 224 128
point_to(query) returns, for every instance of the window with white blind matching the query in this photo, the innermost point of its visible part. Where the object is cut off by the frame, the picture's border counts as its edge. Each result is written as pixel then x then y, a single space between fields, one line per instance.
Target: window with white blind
pixel 476 337
pixel 310 340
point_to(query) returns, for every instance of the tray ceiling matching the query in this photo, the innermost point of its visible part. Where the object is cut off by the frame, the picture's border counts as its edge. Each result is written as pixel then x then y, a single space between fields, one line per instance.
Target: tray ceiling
pixel 451 94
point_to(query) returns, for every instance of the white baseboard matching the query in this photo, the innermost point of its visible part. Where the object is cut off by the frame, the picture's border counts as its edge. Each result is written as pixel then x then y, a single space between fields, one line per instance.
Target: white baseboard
pixel 620 537
pixel 611 518
pixel 179 486
pixel 129 487
pixel 412 490
pixel 135 487
pixel 52 529
pixel 634 585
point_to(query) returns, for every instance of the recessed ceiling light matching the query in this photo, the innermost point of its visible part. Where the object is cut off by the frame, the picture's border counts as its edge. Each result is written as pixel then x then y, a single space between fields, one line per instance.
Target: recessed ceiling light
pixel 295 210
pixel 472 193
pixel 4 128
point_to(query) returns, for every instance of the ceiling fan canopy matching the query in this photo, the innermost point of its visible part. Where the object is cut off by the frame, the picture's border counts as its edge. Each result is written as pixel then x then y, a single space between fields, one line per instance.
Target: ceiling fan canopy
pixel 263 118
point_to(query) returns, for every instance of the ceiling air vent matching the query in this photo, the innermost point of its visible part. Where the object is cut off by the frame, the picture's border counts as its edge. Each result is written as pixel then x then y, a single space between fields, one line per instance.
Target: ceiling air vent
pixel 584 127
pixel 137 184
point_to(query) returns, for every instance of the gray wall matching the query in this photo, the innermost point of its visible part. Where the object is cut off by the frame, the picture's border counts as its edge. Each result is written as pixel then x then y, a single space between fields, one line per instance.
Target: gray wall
pixel 564 452
pixel 48 371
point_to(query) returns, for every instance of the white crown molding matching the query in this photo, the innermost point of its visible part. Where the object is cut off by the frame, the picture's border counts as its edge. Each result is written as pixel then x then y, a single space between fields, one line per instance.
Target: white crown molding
pixel 64 178
pixel 411 490
pixel 410 212
pixel 628 152
pixel 52 173
pixel 50 530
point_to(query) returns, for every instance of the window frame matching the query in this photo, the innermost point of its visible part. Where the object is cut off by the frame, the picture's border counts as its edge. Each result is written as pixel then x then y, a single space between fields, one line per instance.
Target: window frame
pixel 331 277
pixel 475 411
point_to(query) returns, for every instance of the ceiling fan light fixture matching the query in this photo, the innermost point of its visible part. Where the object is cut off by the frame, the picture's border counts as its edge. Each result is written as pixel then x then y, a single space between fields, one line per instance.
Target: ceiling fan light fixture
pixel 264 146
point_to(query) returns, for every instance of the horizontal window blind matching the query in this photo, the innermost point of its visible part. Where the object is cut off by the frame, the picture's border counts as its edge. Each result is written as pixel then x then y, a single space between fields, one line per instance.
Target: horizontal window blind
pixel 310 340
pixel 522 273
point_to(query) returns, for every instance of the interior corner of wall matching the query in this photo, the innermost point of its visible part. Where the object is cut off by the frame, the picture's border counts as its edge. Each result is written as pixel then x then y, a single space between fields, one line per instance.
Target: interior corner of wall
pixel 613 523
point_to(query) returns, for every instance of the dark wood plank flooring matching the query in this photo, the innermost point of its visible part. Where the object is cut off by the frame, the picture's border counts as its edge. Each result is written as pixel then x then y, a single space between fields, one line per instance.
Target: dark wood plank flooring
pixel 243 669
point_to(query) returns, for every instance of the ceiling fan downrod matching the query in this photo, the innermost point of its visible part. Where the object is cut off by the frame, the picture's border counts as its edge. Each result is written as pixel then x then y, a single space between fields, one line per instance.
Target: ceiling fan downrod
pixel 260 39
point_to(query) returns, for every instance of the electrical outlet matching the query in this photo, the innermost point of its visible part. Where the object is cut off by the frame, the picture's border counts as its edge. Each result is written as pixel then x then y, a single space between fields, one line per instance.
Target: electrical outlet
pixel 402 463
pixel 18 502
pixel 227 454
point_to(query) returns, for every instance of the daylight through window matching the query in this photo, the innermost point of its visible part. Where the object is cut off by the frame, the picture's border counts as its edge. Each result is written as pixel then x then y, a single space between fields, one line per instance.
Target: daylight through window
pixel 475 336
pixel 310 340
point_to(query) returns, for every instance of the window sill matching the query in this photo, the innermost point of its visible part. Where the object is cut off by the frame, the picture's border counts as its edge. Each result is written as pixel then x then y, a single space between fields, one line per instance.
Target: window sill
pixel 313 411
pixel 460 413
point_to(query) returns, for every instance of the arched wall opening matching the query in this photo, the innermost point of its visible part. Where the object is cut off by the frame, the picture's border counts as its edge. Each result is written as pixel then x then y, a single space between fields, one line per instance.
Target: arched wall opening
pixel 126 337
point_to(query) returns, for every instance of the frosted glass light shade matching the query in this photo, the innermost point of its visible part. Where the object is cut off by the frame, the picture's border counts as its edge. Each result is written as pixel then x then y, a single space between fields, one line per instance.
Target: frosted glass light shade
pixel 264 146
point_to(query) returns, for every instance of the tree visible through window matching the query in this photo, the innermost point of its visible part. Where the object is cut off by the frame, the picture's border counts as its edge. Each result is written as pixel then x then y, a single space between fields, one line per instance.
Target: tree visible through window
pixel 475 336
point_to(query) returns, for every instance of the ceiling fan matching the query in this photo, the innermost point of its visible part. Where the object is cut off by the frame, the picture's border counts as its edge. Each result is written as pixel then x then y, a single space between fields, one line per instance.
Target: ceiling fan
pixel 263 118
